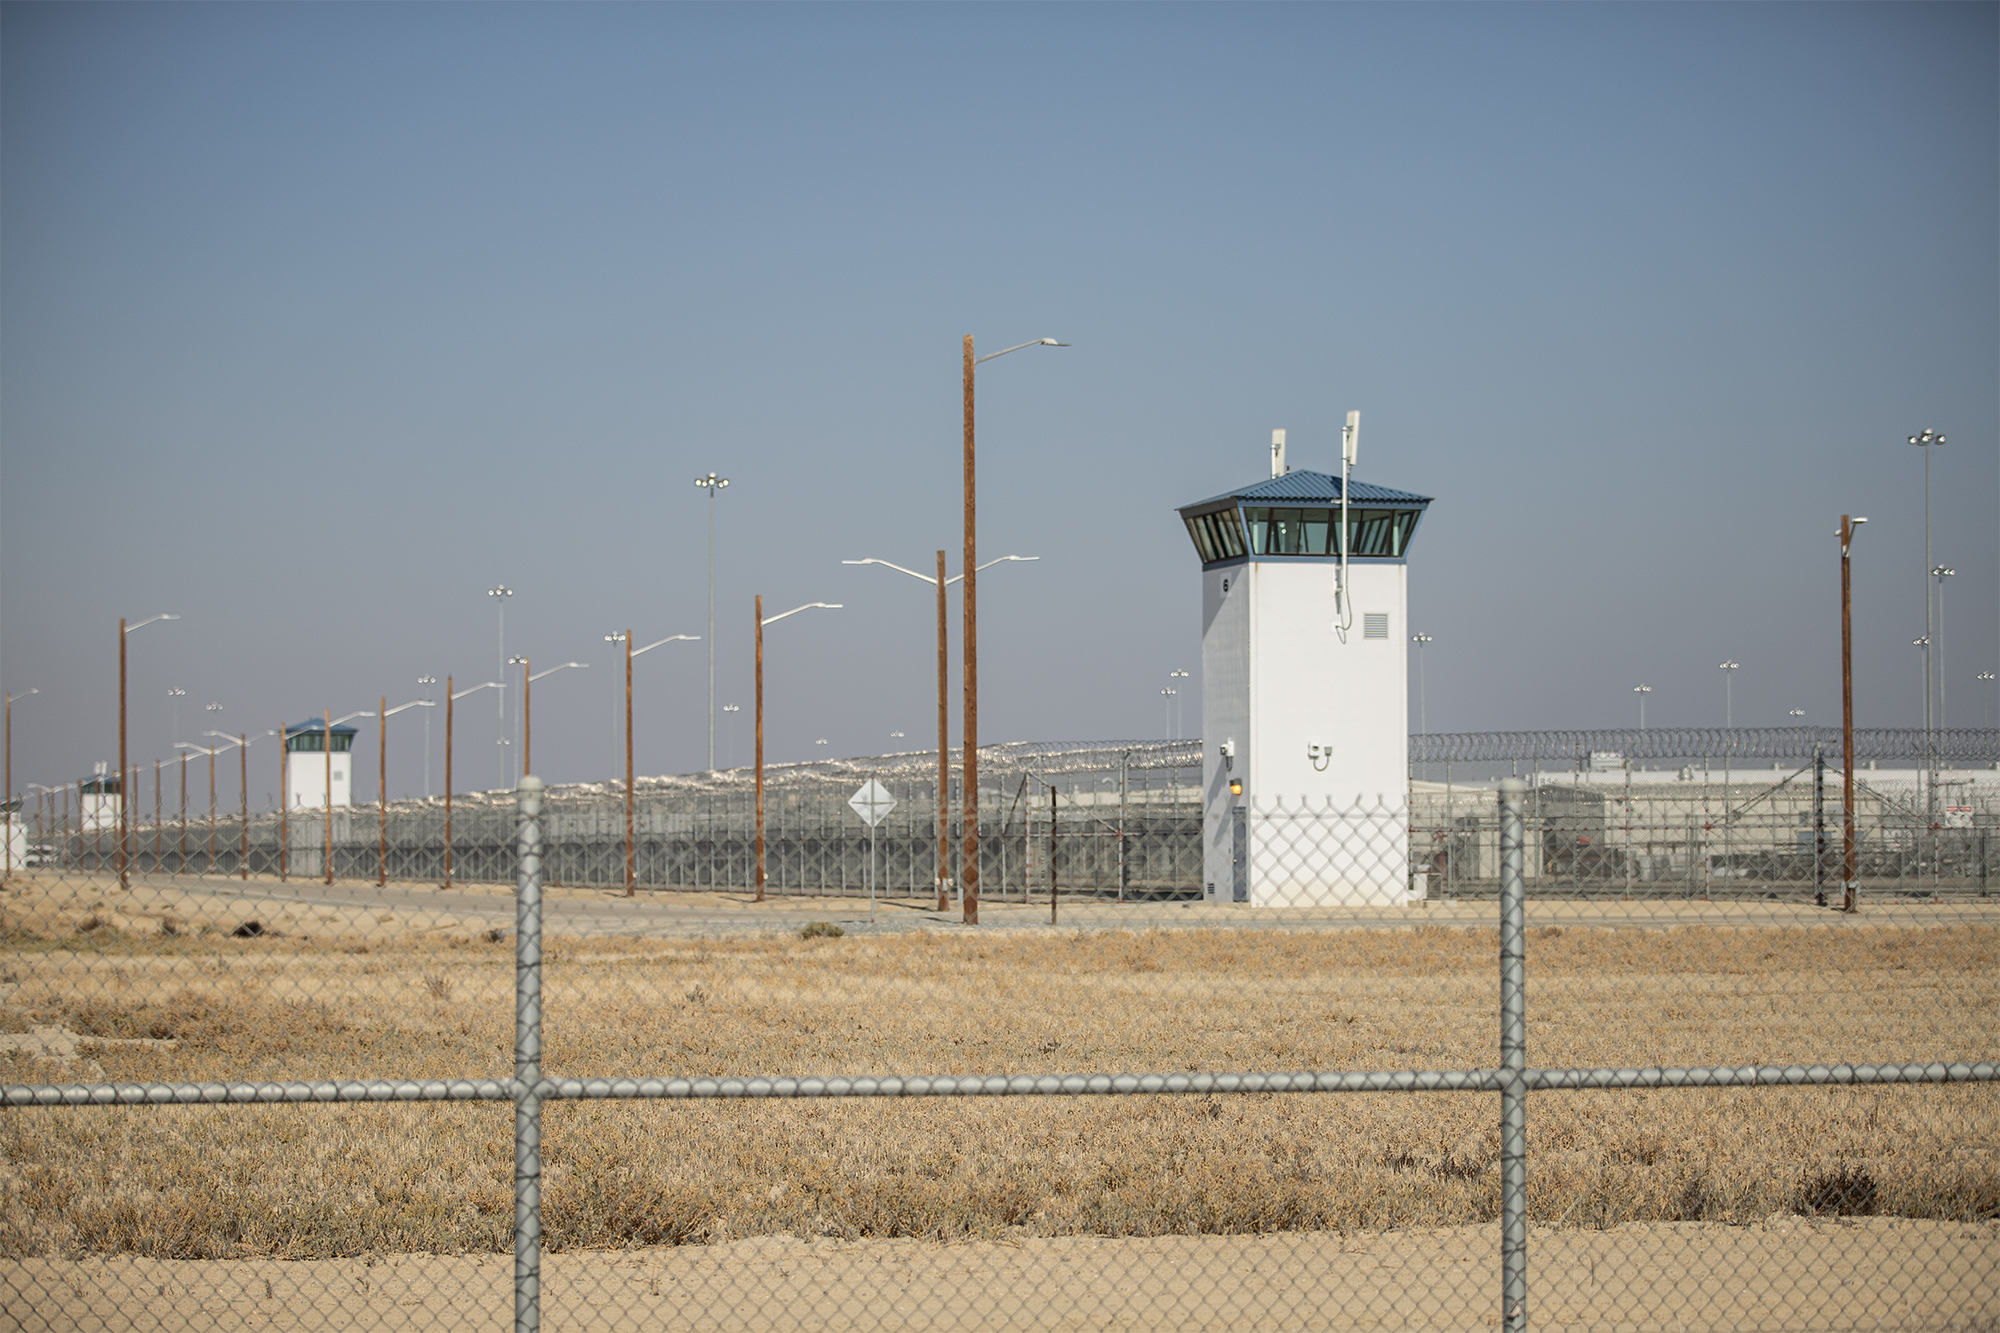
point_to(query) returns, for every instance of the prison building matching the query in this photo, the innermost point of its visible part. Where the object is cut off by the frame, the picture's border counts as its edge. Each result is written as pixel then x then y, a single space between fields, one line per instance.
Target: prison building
pixel 306 766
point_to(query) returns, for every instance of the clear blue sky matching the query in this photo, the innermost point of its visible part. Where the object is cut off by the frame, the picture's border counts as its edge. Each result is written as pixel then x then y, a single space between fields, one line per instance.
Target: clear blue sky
pixel 321 320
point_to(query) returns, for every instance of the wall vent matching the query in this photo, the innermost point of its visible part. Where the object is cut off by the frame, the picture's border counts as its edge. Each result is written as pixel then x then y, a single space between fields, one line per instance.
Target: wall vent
pixel 1375 625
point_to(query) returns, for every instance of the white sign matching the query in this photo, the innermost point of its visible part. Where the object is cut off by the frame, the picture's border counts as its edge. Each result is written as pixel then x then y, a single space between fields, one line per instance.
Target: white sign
pixel 873 802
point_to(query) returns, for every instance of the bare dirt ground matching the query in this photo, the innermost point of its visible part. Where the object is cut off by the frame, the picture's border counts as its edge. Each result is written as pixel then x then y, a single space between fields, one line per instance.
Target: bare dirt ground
pixel 1782 1274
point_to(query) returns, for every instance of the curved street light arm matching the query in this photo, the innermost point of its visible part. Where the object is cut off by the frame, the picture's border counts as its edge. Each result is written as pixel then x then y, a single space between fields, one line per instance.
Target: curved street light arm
pixel 990 563
pixel 484 685
pixel 890 564
pixel 414 703
pixel 204 749
pixel 1032 342
pixel 671 638
pixel 772 620
pixel 149 620
pixel 552 670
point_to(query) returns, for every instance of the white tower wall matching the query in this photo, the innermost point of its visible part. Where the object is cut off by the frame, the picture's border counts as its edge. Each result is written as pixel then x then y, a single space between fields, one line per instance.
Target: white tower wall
pixel 1320 730
pixel 305 779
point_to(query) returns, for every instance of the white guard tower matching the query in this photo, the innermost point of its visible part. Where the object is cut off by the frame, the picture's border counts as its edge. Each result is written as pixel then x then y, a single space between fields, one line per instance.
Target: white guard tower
pixel 99 800
pixel 1305 687
pixel 305 764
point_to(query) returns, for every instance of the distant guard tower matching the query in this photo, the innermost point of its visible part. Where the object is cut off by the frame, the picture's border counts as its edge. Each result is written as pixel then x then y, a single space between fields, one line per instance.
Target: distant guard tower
pixel 1305 686
pixel 305 764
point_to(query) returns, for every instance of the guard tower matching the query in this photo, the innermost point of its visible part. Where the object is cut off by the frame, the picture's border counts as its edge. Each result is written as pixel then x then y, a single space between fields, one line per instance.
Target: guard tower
pixel 1305 687
pixel 305 764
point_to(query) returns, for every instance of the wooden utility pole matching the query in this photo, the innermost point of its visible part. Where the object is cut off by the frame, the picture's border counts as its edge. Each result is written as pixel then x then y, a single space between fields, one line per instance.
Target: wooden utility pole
pixel 944 746
pixel 760 747
pixel 243 777
pixel 124 878
pixel 1052 853
pixel 326 735
pixel 450 705
pixel 968 861
pixel 1850 893
pixel 631 851
pixel 382 792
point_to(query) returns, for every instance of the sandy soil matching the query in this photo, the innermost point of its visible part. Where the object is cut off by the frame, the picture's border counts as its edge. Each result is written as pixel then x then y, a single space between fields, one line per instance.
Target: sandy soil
pixel 1787 1273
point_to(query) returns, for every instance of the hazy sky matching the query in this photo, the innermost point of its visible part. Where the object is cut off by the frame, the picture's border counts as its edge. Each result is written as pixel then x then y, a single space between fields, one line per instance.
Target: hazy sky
pixel 319 321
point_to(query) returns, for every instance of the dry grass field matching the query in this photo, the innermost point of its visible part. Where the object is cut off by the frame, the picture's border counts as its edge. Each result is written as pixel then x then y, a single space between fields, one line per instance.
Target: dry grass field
pixel 100 996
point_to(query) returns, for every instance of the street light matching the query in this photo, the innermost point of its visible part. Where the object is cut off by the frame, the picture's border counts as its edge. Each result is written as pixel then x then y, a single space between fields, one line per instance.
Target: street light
pixel 711 483
pixel 177 694
pixel 1728 692
pixel 762 621
pixel 940 583
pixel 1178 728
pixel 1988 677
pixel 969 862
pixel 450 703
pixel 1796 712
pixel 427 681
pixel 500 593
pixel 1168 694
pixel 1642 691
pixel 10 777
pixel 631 854
pixel 1939 573
pixel 124 806
pixel 732 708
pixel 211 752
pixel 382 715
pixel 1423 716
pixel 1850 893
pixel 243 743
pixel 528 678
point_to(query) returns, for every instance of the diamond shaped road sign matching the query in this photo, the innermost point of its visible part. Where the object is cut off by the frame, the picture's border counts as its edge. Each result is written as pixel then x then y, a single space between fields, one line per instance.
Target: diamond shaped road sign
pixel 873 802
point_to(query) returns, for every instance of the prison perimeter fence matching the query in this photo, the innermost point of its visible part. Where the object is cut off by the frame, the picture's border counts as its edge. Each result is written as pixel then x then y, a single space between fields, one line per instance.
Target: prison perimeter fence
pixel 1744 813
pixel 1386 1090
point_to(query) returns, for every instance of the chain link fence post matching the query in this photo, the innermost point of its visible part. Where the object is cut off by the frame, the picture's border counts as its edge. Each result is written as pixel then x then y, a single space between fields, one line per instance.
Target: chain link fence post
pixel 528 1060
pixel 1513 1066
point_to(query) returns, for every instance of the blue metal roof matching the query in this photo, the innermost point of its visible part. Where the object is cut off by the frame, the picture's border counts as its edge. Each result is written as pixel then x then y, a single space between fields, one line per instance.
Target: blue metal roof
pixel 314 727
pixel 1304 487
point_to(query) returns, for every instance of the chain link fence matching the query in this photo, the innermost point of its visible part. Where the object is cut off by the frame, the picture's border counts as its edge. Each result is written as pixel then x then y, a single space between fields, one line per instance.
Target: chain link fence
pixel 1552 1083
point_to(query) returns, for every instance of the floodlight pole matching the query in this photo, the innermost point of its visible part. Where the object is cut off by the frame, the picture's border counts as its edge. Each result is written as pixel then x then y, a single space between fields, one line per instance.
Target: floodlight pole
pixel 711 483
pixel 124 871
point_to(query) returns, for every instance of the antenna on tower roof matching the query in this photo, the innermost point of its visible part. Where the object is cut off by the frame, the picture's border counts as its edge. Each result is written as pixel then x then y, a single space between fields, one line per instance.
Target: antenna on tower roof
pixel 1278 466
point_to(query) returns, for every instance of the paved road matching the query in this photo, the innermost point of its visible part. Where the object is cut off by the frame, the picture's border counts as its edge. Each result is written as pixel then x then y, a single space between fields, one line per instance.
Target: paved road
pixel 607 912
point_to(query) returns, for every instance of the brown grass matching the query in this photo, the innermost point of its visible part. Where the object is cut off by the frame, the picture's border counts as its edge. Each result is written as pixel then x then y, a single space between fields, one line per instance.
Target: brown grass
pixel 327 1181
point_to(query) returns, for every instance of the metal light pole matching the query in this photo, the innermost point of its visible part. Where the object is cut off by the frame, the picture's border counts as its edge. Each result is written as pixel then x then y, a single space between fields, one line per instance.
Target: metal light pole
pixel 732 708
pixel 124 874
pixel 762 621
pixel 1179 716
pixel 1728 692
pixel 427 681
pixel 968 871
pixel 1850 893
pixel 211 752
pixel 9 803
pixel 500 593
pixel 1642 691
pixel 529 677
pixel 1168 695
pixel 1928 440
pixel 940 583
pixel 1423 717
pixel 176 694
pixel 1939 573
pixel 711 483
pixel 1987 677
